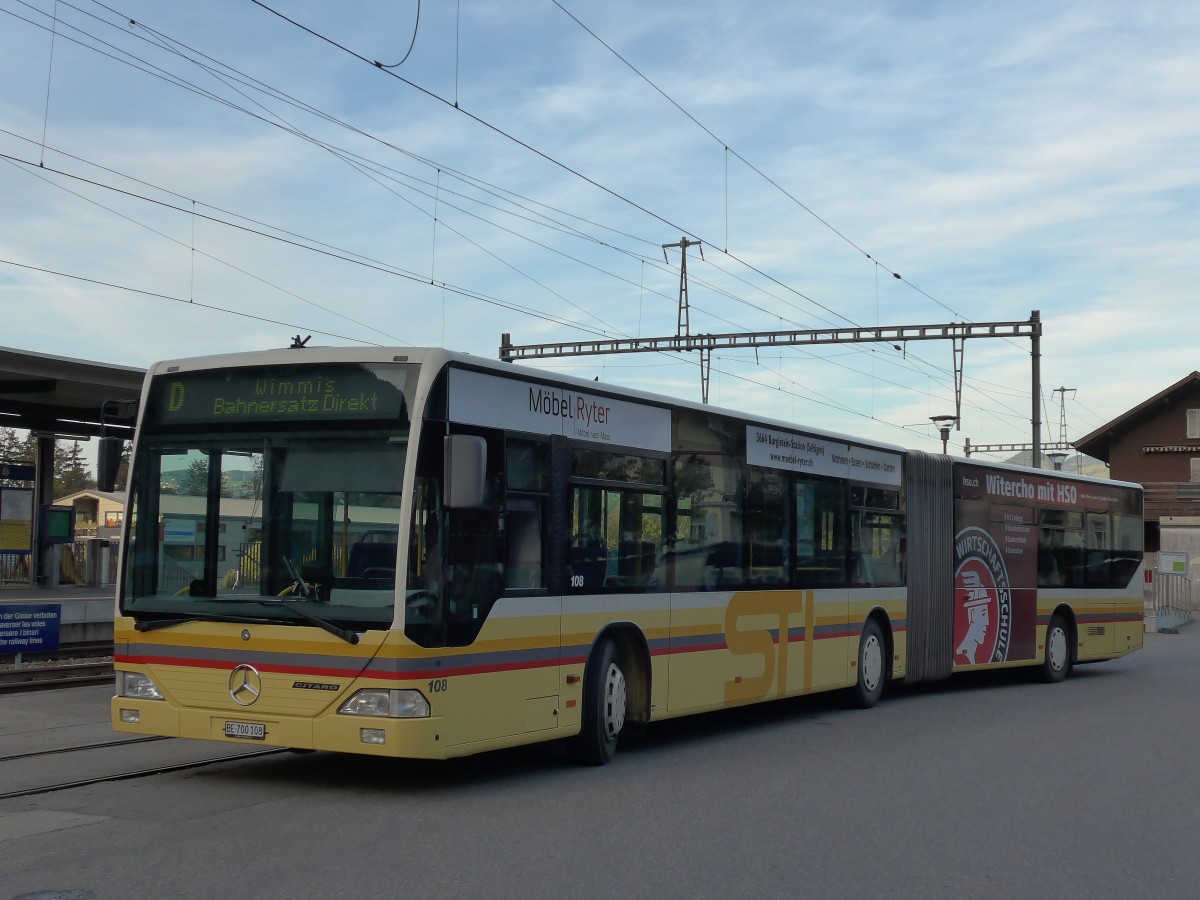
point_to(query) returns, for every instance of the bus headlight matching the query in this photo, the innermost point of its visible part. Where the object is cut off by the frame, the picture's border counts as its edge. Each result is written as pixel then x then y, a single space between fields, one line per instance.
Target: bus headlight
pixel 133 684
pixel 393 704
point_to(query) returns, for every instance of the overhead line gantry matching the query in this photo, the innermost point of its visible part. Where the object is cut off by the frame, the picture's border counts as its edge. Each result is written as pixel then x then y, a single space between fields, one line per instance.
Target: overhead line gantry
pixel 896 335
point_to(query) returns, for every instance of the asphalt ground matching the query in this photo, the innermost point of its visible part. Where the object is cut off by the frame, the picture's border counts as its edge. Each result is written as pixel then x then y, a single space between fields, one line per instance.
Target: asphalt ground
pixel 981 786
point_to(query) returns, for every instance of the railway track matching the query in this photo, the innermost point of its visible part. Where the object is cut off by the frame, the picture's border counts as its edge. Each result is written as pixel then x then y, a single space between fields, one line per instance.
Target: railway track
pixel 118 759
pixel 122 775
pixel 55 676
pixel 33 754
pixel 70 666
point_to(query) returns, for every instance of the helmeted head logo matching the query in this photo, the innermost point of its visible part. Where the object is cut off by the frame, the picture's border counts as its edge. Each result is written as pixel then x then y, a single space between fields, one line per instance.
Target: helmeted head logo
pixel 982 599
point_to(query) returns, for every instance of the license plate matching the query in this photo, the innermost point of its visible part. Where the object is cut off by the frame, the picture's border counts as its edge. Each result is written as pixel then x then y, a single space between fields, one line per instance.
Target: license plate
pixel 255 731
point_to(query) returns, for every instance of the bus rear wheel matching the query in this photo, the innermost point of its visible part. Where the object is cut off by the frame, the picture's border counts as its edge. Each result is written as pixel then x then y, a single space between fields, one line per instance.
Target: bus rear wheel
pixel 1057 664
pixel 605 700
pixel 872 666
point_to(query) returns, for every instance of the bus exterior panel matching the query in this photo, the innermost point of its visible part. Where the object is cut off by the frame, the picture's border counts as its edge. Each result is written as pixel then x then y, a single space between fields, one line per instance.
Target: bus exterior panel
pixel 1030 545
pixel 421 554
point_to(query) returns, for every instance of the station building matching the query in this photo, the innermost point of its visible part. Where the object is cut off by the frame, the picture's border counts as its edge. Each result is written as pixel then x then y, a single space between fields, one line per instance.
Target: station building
pixel 1157 444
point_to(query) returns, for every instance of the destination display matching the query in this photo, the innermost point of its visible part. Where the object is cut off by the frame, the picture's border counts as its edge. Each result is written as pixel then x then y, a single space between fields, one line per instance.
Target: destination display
pixel 304 393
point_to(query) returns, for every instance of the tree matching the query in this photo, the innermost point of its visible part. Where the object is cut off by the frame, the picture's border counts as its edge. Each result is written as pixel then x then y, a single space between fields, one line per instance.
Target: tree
pixel 70 474
pixel 13 449
pixel 195 482
pixel 251 488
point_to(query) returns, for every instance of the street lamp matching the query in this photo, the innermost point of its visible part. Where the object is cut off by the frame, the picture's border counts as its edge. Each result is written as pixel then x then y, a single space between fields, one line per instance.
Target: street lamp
pixel 1057 459
pixel 944 424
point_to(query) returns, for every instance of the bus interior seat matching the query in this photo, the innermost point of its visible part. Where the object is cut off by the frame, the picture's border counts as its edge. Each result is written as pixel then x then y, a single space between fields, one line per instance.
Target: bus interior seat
pixel 723 564
pixel 588 557
pixel 635 559
pixel 371 561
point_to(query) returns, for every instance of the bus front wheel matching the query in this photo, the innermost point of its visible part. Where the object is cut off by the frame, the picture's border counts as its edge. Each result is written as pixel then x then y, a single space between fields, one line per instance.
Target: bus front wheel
pixel 605 696
pixel 1057 664
pixel 872 666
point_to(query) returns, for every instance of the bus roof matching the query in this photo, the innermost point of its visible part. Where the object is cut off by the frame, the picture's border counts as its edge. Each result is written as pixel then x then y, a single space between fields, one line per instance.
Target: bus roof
pixel 436 357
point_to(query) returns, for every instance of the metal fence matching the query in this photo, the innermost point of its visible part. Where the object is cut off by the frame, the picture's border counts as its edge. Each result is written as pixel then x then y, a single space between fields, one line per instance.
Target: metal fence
pixel 1171 600
pixel 91 562
pixel 14 568
pixel 87 562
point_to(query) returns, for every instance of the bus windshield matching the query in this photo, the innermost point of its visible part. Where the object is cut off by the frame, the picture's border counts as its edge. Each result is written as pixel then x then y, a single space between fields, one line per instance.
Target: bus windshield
pixel 241 508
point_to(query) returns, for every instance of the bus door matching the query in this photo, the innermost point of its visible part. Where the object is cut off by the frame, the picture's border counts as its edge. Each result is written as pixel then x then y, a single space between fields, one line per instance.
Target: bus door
pixel 476 584
pixel 823 570
pixel 1098 635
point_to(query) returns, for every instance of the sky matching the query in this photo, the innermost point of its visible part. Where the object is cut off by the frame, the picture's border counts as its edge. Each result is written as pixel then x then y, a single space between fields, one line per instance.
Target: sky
pixel 180 179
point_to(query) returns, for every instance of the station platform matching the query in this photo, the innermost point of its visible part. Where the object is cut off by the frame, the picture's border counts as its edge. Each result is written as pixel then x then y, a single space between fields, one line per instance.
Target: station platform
pixel 86 612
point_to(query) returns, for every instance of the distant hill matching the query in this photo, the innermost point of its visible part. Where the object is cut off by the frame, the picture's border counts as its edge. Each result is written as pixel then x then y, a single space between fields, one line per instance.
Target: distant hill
pixel 1076 464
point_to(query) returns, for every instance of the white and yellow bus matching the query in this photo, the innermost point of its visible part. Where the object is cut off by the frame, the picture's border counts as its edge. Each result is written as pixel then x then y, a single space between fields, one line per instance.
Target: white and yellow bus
pixel 418 553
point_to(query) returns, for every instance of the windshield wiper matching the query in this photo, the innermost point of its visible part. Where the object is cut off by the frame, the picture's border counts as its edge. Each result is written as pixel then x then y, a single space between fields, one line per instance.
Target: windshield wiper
pixel 345 634
pixel 214 617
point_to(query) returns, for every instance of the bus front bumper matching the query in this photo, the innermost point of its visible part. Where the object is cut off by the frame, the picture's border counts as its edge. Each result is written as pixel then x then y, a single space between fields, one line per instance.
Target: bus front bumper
pixel 415 738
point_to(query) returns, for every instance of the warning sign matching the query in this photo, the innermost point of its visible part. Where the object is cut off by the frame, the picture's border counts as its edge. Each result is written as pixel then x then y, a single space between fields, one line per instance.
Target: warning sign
pixel 29 628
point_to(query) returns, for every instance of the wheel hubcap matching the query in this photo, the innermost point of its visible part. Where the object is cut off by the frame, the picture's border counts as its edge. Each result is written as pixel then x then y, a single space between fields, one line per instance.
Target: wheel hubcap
pixel 1056 649
pixel 614 702
pixel 871 664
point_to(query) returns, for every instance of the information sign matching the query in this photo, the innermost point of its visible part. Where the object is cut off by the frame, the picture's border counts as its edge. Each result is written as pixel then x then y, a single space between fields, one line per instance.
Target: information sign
pixel 17 471
pixel 16 519
pixel 1173 562
pixel 29 628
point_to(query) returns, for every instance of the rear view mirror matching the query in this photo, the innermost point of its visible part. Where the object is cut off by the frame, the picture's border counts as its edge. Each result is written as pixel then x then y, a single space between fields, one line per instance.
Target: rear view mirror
pixel 466 468
pixel 108 463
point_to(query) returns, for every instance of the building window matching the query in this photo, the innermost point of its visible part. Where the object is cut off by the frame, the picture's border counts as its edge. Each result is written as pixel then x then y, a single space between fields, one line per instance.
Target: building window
pixel 1193 424
pixel 1195 461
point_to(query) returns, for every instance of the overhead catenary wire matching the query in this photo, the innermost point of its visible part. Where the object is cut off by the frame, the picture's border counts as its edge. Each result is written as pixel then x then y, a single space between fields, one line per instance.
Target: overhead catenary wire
pixel 161 40
pixel 209 94
pixel 411 44
pixel 603 187
pixel 569 323
pixel 571 169
pixel 186 301
pixel 329 251
pixel 730 151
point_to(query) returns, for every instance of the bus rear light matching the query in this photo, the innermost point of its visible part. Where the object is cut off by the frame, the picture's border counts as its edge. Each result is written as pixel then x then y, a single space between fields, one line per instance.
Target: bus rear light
pixel 137 686
pixel 392 704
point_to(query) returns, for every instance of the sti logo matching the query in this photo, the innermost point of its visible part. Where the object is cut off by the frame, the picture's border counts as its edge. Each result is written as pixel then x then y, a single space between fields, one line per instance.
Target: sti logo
pixel 982 600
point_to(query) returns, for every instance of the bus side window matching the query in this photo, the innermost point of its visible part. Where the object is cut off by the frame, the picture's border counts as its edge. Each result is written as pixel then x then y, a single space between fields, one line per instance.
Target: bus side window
pixel 616 522
pixel 523 570
pixel 527 479
pixel 820 532
pixel 1050 543
pixel 709 543
pixel 616 540
pixel 768 538
pixel 1061 561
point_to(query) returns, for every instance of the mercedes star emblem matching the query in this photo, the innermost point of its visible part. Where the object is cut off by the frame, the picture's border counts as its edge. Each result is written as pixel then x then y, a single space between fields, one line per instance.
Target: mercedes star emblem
pixel 245 684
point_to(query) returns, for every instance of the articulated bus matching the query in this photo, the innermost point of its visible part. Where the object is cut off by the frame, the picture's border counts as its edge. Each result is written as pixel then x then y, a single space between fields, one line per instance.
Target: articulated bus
pixel 424 554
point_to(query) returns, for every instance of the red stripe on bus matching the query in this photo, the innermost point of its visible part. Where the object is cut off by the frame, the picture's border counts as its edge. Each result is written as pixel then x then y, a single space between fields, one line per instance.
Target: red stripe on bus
pixel 232 663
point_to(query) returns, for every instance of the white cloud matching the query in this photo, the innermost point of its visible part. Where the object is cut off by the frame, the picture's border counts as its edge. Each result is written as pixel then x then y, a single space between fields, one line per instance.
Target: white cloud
pixel 1003 159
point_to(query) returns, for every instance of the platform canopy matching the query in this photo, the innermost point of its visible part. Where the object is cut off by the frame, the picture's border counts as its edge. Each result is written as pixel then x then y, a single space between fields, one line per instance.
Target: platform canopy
pixel 54 395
